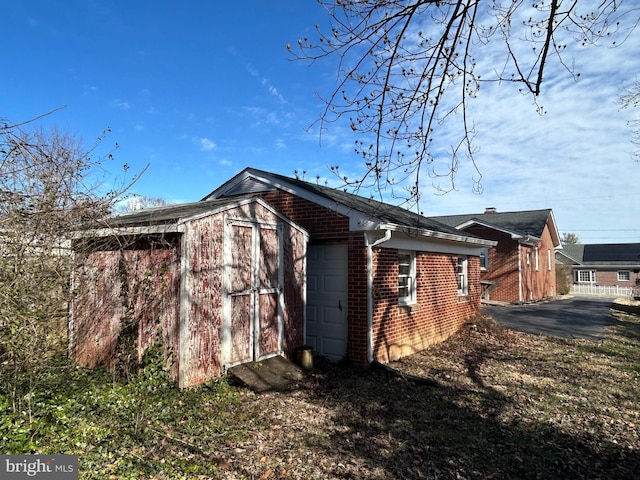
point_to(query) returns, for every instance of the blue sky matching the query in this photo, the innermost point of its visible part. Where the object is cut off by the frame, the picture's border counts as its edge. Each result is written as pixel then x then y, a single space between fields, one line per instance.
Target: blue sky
pixel 202 90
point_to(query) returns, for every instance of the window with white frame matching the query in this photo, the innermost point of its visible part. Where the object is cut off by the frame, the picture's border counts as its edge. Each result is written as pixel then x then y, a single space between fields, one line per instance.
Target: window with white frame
pixel 406 278
pixel 484 259
pixel 549 260
pixel 586 276
pixel 536 258
pixel 463 276
pixel 624 276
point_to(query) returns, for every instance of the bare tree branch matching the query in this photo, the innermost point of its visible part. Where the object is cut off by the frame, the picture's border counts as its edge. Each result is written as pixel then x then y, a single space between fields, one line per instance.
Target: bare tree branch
pixel 407 70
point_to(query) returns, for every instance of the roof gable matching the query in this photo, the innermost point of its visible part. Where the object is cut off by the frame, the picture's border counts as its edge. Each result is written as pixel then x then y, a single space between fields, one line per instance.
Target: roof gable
pixel 519 224
pixel 364 213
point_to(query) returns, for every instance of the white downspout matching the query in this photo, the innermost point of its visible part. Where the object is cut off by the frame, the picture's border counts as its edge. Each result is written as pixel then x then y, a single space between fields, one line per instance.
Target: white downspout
pixel 520 260
pixel 370 244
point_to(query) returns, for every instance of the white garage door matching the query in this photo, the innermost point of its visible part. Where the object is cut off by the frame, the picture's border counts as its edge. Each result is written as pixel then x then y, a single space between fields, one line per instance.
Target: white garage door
pixel 327 300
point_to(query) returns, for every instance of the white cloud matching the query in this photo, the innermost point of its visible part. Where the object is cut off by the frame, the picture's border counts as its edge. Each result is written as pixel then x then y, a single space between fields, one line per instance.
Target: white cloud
pixel 122 104
pixel 206 144
pixel 264 81
pixel 574 159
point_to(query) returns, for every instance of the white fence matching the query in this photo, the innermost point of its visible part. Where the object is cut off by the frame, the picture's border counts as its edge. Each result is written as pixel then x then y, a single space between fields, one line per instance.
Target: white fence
pixel 604 291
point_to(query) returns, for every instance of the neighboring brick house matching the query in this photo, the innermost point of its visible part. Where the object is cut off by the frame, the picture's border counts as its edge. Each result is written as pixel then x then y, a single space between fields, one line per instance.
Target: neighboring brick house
pixel 382 282
pixel 521 267
pixel 603 264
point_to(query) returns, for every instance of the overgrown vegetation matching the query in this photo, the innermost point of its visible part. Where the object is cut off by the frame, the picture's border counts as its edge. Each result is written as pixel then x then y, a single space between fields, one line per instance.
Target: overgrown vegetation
pixel 49 185
pixel 506 405
pixel 133 429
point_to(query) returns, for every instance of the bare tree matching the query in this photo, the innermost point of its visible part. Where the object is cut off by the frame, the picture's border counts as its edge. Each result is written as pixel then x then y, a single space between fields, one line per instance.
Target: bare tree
pixel 570 238
pixel 631 99
pixel 135 202
pixel 407 66
pixel 49 185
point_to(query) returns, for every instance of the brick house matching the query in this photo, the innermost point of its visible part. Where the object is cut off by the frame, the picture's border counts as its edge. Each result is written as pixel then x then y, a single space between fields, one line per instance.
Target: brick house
pixel 263 265
pixel 603 264
pixel 521 266
pixel 382 282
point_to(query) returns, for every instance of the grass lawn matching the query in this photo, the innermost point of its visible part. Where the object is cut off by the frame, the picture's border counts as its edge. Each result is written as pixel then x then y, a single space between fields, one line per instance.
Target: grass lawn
pixel 503 405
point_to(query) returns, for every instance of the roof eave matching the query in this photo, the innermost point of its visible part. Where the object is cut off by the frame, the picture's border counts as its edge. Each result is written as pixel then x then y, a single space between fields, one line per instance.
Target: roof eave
pixel 423 232
pixel 127 231
pixel 468 223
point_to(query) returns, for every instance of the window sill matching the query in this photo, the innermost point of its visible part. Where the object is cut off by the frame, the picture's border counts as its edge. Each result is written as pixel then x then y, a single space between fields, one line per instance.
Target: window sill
pixel 410 307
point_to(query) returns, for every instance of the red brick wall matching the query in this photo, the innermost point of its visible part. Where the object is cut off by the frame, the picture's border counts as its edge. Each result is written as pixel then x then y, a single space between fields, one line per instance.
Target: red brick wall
pixel 609 278
pixel 439 311
pixel 357 322
pixel 398 330
pixel 514 278
pixel 321 223
pixel 503 268
pixel 540 282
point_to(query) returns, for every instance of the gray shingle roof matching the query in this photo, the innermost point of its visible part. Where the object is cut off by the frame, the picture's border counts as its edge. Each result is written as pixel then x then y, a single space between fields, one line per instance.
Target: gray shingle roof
pixel 166 215
pixel 528 222
pixel 384 212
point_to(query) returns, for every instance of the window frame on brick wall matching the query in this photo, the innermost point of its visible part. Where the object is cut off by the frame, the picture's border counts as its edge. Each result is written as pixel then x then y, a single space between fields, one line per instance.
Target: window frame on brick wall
pixel 625 277
pixel 406 279
pixel 591 274
pixel 462 275
pixel 536 257
pixel 484 258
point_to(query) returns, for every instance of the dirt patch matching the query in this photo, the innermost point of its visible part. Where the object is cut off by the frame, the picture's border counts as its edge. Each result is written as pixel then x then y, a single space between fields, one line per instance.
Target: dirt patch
pixel 502 404
pixel 627 304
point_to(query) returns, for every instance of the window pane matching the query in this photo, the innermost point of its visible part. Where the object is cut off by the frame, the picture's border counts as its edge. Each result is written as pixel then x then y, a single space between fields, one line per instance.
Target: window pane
pixel 403 286
pixel 462 275
pixel 405 277
pixel 586 276
pixel 484 258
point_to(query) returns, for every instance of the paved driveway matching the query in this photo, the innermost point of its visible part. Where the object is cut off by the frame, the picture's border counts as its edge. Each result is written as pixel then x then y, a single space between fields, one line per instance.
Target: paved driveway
pixel 576 317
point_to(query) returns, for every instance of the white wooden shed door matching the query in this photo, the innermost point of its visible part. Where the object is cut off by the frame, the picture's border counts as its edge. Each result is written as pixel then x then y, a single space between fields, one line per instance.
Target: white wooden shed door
pixel 254 320
pixel 326 329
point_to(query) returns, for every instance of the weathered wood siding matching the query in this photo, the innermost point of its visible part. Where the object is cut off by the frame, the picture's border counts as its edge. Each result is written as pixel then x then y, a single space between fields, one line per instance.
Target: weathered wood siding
pixel 123 299
pixel 126 295
pixel 201 300
pixel 203 295
pixel 295 261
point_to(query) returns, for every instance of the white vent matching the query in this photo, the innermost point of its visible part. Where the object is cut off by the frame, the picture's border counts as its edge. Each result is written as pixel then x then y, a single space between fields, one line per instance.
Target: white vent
pixel 249 185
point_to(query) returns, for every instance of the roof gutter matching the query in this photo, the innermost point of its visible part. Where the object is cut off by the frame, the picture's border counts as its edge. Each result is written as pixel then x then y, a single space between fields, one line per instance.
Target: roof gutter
pixel 423 232
pixel 370 243
pixel 529 240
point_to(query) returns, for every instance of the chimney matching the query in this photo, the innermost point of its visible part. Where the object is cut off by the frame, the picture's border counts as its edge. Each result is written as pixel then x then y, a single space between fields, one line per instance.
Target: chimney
pixel 490 210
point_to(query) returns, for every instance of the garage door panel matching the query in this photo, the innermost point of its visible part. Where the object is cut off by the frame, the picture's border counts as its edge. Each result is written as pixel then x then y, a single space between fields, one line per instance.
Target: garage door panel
pixel 326 329
pixel 332 316
pixel 334 284
pixel 312 342
pixel 312 283
pixel 334 345
pixel 333 252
